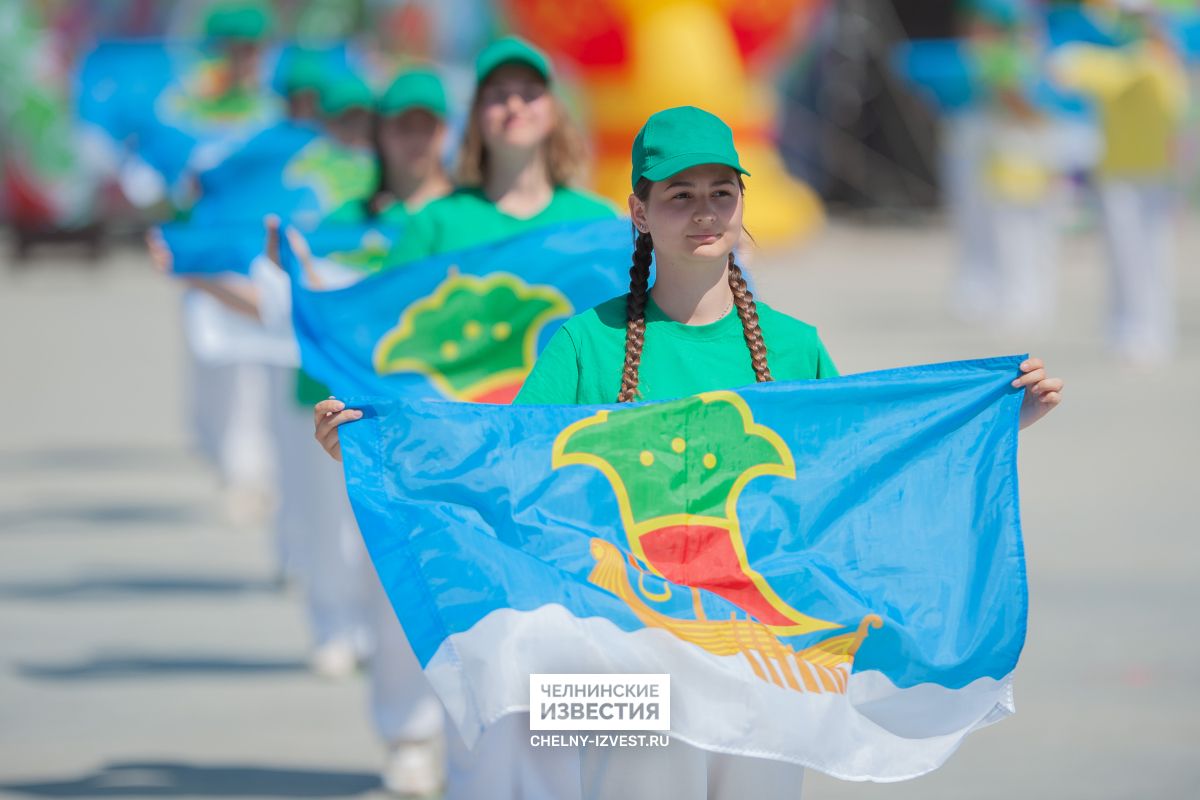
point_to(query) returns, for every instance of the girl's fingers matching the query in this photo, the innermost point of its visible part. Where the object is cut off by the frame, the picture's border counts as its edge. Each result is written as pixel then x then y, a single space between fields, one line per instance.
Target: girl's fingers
pixel 332 421
pixel 271 248
pixel 1030 364
pixel 299 246
pixel 160 254
pixel 330 406
pixel 1030 378
pixel 1048 385
pixel 1050 398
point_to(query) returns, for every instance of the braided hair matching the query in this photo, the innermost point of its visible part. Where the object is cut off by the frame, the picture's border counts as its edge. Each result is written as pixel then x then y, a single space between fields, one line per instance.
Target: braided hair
pixel 635 311
pixel 635 315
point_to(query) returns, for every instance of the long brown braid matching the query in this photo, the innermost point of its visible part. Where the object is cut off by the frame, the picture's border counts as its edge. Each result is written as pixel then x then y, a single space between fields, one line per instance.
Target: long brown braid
pixel 748 312
pixel 635 310
pixel 635 315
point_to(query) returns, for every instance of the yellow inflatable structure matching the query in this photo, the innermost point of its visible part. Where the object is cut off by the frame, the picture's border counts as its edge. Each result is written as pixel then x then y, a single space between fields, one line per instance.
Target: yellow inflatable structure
pixel 635 57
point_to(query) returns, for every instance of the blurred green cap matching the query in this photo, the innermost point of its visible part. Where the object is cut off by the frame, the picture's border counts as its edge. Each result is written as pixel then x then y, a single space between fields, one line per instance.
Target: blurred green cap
pixel 302 72
pixel 250 22
pixel 417 88
pixel 679 138
pixel 511 50
pixel 341 93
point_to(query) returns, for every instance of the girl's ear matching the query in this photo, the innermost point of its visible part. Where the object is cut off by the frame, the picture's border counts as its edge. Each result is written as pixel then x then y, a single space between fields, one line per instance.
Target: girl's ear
pixel 637 213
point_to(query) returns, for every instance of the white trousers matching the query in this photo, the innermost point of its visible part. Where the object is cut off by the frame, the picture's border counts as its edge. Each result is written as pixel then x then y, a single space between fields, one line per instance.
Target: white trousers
pixel 315 532
pixel 1024 241
pixel 1007 250
pixel 682 772
pixel 503 765
pixel 1137 225
pixel 403 704
pixel 229 415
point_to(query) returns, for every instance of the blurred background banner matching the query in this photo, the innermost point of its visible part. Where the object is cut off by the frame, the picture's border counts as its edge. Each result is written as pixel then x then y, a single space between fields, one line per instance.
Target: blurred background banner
pixel 830 102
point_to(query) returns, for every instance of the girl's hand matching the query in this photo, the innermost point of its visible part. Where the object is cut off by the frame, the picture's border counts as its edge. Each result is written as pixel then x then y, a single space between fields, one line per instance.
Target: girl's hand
pixel 160 254
pixel 327 416
pixel 304 255
pixel 1042 394
pixel 271 245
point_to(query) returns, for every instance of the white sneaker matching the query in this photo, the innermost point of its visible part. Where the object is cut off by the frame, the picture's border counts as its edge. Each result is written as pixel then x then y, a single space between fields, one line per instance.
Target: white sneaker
pixel 415 768
pixel 336 659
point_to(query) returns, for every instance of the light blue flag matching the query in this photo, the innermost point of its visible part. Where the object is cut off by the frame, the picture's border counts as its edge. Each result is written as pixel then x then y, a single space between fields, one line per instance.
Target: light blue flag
pixel 465 325
pixel 830 571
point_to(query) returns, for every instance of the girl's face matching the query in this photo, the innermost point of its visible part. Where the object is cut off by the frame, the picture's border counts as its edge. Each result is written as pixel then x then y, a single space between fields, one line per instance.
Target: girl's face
pixel 692 215
pixel 411 141
pixel 516 109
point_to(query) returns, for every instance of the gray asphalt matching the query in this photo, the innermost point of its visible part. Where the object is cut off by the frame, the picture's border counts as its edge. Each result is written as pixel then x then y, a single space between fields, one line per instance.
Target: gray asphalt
pixel 146 649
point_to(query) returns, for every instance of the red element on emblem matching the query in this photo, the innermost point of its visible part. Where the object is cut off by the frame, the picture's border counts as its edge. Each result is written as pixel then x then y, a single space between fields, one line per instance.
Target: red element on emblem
pixel 502 394
pixel 703 557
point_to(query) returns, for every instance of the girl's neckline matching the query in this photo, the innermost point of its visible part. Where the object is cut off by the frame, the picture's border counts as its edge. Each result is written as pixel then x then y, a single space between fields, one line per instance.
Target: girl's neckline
pixel 713 330
pixel 482 195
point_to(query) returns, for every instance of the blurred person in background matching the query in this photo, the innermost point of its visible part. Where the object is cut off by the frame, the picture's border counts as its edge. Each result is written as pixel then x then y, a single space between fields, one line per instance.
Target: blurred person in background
pixel 349 615
pixel 1000 173
pixel 410 142
pixel 1139 87
pixel 225 93
pixel 302 88
pixel 517 160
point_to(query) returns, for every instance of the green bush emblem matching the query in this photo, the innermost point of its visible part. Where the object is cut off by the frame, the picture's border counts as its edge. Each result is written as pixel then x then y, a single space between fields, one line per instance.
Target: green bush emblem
pixel 475 338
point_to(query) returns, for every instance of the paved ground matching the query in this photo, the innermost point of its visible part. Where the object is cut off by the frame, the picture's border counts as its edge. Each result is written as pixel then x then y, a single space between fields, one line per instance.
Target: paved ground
pixel 145 650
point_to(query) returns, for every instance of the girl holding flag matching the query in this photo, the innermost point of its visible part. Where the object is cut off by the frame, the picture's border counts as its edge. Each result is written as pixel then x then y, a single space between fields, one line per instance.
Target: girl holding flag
pixel 697 329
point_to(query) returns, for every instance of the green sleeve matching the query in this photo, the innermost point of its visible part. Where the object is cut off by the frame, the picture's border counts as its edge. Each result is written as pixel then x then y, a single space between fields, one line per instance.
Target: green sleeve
pixel 350 212
pixel 825 366
pixel 417 242
pixel 554 379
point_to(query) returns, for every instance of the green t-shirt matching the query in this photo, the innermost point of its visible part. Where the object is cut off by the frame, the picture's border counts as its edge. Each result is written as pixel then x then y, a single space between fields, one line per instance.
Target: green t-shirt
pixel 466 218
pixel 584 360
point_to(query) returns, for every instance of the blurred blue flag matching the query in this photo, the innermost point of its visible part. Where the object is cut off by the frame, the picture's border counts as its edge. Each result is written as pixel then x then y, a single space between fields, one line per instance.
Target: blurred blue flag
pixel 172 102
pixel 831 571
pixel 465 325
pixel 348 251
pixel 251 182
pixel 947 75
pixel 168 101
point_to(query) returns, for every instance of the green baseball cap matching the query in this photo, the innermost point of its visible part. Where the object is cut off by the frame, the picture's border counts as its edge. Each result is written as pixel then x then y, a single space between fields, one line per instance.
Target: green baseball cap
pixel 342 93
pixel 511 50
pixel 417 88
pixel 302 72
pixel 675 139
pixel 248 22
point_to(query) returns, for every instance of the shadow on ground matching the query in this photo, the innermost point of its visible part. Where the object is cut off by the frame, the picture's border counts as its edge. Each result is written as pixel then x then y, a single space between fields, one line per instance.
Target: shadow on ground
pixel 138 586
pixel 156 666
pixel 170 779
